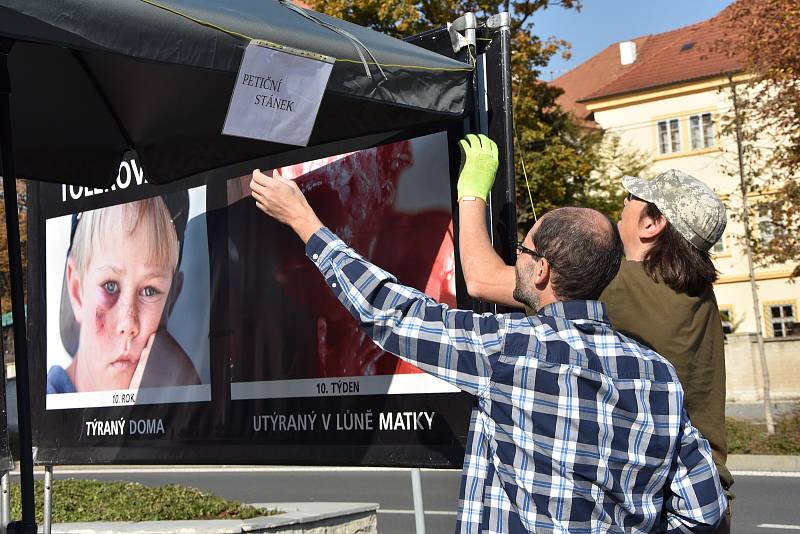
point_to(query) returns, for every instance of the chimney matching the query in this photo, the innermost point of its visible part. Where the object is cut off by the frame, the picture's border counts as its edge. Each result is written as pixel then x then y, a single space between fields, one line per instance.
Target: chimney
pixel 627 52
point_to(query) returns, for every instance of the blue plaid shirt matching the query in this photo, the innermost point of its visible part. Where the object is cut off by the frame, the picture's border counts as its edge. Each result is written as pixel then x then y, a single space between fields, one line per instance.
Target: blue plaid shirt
pixel 576 428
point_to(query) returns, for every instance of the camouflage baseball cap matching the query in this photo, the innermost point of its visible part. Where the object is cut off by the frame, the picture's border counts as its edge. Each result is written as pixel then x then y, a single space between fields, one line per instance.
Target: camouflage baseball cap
pixel 691 206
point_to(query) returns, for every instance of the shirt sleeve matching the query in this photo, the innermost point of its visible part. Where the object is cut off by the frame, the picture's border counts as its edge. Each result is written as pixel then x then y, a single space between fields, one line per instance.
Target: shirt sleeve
pixel 457 346
pixel 695 500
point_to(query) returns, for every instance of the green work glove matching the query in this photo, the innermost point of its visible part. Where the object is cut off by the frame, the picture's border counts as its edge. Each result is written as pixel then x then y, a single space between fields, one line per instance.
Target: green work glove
pixel 479 163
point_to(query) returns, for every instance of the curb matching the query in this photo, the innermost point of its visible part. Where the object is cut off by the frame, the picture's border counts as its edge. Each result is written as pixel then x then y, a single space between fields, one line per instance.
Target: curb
pixel 763 462
pixel 735 462
pixel 297 518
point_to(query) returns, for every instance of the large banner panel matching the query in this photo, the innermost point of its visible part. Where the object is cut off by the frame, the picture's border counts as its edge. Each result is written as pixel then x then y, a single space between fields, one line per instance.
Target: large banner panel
pixel 125 324
pixel 405 226
pixel 180 324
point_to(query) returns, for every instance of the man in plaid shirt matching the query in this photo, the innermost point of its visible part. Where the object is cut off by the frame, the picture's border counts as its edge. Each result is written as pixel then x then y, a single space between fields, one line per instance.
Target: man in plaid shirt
pixel 576 428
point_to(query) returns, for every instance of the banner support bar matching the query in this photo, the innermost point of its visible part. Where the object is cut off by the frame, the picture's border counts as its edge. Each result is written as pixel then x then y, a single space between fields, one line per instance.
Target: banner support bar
pixel 416 490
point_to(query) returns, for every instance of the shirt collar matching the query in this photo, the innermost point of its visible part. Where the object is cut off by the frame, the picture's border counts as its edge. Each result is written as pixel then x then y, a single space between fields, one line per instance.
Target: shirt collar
pixel 572 310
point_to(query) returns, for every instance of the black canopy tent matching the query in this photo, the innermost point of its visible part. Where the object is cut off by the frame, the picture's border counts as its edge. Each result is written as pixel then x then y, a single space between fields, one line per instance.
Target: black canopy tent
pixel 85 81
pixel 108 76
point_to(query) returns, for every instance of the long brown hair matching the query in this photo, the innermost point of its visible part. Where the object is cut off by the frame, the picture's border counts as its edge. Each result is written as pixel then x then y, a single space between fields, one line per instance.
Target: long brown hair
pixel 674 261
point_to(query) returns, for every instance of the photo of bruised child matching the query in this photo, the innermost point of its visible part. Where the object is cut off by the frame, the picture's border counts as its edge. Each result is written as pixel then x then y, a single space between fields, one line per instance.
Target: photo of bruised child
pixel 121 280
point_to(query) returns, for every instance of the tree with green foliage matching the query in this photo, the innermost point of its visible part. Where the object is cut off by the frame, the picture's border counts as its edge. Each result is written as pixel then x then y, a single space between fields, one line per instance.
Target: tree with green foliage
pixel 561 156
pixel 557 152
pixel 402 18
pixel 613 159
pixel 5 272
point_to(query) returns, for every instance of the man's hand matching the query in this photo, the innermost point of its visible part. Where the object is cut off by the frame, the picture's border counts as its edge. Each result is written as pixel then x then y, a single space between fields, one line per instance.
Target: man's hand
pixel 281 199
pixel 479 163
pixel 136 379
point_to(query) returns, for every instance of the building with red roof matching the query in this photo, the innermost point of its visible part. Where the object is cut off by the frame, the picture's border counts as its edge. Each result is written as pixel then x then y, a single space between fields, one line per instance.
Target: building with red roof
pixel 666 95
pixel 648 64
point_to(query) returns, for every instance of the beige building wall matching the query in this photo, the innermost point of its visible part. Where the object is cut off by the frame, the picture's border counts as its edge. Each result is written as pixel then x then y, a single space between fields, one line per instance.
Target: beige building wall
pixel 743 368
pixel 635 118
pixel 636 124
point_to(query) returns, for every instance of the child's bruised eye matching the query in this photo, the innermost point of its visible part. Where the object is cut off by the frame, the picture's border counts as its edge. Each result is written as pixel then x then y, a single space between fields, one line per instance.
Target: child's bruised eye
pixel 111 287
pixel 150 292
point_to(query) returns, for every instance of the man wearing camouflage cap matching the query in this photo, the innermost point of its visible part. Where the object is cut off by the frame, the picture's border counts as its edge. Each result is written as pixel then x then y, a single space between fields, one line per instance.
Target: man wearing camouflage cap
pixel 662 295
pixel 687 203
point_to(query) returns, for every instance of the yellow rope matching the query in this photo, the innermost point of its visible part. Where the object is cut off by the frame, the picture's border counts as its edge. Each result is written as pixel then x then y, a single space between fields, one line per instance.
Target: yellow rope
pixel 519 147
pixel 524 172
pixel 198 21
pixel 283 47
pixel 446 69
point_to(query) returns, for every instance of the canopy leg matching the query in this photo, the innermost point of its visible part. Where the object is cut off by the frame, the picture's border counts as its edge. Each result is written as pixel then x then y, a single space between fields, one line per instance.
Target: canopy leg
pixel 419 510
pixel 28 523
pixel 48 499
pixel 5 502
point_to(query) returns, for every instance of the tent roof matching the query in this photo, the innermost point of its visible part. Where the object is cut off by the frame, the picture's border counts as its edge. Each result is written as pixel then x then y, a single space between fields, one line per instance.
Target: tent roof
pixel 158 62
pixel 211 34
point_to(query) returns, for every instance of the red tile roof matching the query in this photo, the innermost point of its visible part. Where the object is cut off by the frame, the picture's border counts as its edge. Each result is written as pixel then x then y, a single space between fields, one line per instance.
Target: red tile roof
pixel 668 58
pixel 590 76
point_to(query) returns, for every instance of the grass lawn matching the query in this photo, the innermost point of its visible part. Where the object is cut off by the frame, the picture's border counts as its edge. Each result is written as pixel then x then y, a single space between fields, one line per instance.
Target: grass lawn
pixel 91 500
pixel 751 438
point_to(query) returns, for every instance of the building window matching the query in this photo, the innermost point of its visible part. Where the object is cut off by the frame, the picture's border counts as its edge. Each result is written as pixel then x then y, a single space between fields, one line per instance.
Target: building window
pixel 766 226
pixel 781 319
pixel 669 136
pixel 772 222
pixel 726 315
pixel 701 131
pixel 719 247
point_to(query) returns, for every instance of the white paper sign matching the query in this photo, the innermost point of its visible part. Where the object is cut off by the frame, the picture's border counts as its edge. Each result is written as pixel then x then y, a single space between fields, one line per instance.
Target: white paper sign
pixel 277 95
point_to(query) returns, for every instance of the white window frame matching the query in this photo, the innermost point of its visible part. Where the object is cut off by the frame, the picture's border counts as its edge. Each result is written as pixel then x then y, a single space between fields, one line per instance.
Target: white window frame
pixel 668 134
pixel 766 227
pixel 701 131
pixel 786 323
pixel 720 247
pixel 726 323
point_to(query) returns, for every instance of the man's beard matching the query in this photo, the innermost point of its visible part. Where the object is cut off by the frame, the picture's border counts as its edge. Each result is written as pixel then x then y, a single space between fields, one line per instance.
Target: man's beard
pixel 522 292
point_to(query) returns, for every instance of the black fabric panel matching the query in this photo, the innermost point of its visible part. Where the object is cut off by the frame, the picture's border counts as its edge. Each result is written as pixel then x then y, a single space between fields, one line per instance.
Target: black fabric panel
pixel 139 30
pixel 152 82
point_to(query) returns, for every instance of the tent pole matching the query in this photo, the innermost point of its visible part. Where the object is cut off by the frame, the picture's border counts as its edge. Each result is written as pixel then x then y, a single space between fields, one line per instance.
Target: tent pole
pixel 5 502
pixel 28 523
pixel 508 212
pixel 500 127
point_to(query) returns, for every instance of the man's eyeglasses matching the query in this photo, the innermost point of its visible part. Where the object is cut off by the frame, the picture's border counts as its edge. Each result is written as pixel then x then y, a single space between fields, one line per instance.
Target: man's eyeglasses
pixel 523 249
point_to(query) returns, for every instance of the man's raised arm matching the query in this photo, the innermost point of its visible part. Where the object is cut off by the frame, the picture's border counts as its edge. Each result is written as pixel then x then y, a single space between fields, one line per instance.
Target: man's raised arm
pixel 457 346
pixel 486 275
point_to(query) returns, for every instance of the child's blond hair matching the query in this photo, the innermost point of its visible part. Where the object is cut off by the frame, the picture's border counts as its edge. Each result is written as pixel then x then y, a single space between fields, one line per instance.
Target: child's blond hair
pixel 150 218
